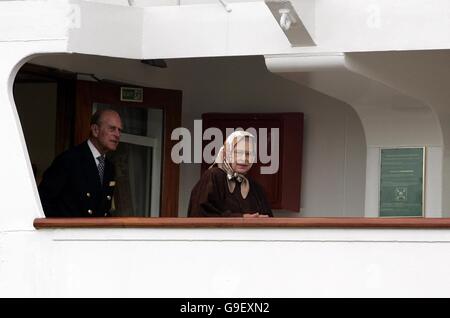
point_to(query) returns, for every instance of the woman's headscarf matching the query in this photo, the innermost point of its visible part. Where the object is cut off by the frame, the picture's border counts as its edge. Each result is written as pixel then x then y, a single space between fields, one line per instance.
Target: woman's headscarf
pixel 226 156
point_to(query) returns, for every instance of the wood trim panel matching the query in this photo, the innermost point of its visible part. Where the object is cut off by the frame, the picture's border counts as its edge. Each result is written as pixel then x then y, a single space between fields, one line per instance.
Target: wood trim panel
pixel 83 111
pixel 65 114
pixel 291 166
pixel 115 222
pixel 171 171
pixel 45 73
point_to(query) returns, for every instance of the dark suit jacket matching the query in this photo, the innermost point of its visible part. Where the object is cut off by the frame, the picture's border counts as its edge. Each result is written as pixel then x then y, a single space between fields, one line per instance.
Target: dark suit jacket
pixel 71 185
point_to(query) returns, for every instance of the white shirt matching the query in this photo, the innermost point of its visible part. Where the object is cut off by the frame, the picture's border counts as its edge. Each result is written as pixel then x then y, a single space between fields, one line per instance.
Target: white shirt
pixel 94 151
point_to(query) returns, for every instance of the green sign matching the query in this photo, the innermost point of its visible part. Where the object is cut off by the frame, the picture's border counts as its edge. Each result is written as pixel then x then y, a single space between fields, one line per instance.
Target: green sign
pixel 401 182
pixel 131 94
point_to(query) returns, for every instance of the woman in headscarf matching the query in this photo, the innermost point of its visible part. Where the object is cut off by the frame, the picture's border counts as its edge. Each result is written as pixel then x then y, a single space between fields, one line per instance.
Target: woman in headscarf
pixel 224 190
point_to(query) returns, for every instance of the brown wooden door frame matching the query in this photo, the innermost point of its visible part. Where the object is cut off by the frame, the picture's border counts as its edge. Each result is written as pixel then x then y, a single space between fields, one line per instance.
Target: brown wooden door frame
pixel 168 100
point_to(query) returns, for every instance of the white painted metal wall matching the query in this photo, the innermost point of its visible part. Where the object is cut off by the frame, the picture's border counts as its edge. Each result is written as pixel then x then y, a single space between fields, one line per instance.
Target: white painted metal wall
pixel 204 262
pixel 225 263
pixel 391 118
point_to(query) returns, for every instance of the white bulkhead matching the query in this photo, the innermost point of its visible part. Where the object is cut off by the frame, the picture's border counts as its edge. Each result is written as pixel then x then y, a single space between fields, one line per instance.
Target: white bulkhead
pixel 367 75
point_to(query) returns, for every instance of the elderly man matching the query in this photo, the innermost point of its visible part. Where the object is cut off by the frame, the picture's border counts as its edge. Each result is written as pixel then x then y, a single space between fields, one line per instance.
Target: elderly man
pixel 80 181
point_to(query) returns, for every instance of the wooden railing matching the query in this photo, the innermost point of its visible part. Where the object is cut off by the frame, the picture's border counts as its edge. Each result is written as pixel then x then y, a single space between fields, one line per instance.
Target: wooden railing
pixel 323 222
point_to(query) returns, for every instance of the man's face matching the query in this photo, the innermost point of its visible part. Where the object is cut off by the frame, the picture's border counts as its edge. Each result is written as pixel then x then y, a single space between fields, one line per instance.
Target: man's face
pixel 107 132
pixel 242 156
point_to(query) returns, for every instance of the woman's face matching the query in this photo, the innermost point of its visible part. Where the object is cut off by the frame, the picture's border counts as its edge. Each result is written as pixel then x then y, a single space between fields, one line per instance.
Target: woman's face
pixel 242 159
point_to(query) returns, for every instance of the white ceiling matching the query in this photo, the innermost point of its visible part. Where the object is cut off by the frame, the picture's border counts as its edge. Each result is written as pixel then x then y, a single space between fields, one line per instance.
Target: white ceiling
pixel 148 3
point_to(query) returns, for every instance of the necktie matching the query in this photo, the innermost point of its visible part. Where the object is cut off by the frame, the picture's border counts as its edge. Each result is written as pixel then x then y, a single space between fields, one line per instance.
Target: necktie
pixel 101 167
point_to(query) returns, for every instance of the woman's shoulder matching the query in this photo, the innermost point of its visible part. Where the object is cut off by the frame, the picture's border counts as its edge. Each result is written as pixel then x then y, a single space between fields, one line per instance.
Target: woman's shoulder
pixel 211 177
pixel 214 172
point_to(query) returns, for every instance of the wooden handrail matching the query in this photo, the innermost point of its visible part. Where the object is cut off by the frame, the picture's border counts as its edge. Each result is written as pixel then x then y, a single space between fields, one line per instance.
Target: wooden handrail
pixel 323 222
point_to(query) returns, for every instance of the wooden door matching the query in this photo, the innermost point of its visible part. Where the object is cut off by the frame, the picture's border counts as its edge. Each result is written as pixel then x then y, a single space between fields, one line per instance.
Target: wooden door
pixel 94 95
